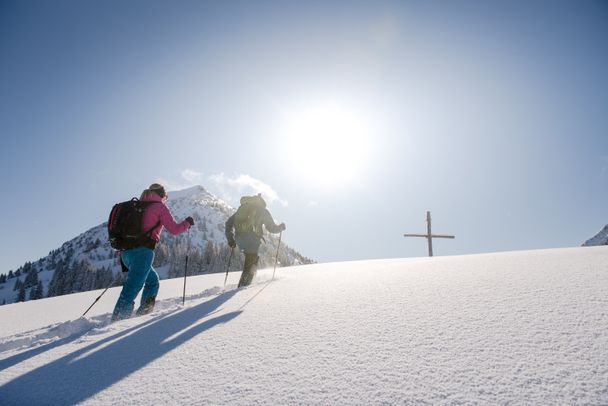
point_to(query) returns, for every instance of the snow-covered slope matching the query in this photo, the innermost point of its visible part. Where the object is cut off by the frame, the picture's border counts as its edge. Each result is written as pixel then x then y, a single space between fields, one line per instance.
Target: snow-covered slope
pixel 600 238
pixel 88 262
pixel 510 328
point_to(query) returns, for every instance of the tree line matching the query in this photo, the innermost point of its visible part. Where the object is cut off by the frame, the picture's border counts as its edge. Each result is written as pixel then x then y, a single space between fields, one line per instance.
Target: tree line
pixel 73 275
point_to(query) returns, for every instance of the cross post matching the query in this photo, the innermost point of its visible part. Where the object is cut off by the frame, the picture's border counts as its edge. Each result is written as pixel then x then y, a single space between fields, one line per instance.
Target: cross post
pixel 429 235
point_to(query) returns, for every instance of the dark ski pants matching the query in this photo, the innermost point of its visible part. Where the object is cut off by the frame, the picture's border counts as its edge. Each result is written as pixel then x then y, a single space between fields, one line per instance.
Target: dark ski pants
pixel 249 269
pixel 141 274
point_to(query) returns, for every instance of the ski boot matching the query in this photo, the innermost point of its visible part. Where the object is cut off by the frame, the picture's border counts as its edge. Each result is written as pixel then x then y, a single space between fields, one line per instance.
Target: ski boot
pixel 146 307
pixel 249 269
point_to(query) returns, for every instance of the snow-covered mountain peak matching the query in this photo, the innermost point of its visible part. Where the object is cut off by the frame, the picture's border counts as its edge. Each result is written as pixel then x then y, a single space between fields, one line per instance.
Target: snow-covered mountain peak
pixel 203 206
pixel 600 238
pixel 194 192
pixel 88 262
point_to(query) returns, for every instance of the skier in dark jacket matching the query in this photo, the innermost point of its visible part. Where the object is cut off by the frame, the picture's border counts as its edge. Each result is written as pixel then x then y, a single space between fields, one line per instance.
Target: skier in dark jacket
pixel 247 222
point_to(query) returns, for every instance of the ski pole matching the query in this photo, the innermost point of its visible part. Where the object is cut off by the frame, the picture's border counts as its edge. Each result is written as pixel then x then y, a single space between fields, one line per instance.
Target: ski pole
pixel 186 269
pixel 99 297
pixel 277 256
pixel 228 267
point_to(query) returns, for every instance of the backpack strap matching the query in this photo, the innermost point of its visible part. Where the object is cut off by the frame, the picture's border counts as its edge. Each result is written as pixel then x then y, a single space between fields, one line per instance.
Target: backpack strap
pixel 149 232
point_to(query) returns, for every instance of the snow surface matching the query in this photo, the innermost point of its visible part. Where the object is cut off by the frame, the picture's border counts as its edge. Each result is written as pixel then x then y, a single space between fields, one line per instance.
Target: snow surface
pixel 511 328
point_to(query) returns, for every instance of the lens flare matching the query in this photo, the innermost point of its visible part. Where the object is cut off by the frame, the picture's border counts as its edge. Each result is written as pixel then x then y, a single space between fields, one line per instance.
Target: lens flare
pixel 326 144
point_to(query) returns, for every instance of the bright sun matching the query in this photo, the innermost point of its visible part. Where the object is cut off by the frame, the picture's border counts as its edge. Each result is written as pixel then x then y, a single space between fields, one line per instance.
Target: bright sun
pixel 326 144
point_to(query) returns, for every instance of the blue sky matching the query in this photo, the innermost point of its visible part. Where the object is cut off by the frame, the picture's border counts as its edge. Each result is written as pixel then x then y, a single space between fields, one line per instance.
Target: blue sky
pixel 353 117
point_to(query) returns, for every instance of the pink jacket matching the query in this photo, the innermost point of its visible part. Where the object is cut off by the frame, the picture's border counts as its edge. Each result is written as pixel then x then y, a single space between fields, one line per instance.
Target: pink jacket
pixel 159 211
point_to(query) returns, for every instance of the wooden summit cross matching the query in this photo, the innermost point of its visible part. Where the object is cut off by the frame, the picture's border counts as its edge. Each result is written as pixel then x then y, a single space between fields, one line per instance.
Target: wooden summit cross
pixel 429 236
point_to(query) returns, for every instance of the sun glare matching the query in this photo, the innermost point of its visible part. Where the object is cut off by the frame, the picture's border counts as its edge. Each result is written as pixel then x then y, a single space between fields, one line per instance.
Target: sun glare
pixel 326 144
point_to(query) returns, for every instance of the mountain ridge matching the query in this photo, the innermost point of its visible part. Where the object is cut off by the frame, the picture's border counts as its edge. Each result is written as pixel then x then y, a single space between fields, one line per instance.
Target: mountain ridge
pixel 600 238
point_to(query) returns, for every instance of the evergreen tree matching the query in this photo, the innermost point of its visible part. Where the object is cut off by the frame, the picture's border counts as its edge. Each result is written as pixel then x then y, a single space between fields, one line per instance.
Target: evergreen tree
pixel 18 285
pixel 177 260
pixel 56 286
pixel 10 275
pixel 195 262
pixel 3 278
pixel 31 279
pixel 54 259
pixel 38 291
pixel 210 253
pixel 103 278
pixel 71 279
pixel 161 255
pixel 82 276
pixel 21 294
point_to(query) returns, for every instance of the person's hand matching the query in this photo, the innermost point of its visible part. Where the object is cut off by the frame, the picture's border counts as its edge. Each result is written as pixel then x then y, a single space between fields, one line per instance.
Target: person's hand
pixel 190 220
pixel 282 227
pixel 232 244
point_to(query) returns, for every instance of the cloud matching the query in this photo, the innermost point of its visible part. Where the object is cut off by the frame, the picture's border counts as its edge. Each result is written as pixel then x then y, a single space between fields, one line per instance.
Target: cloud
pixel 188 178
pixel 246 184
pixel 192 176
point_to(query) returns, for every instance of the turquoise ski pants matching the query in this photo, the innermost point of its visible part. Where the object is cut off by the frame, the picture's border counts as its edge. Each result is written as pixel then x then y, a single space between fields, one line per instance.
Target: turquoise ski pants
pixel 141 274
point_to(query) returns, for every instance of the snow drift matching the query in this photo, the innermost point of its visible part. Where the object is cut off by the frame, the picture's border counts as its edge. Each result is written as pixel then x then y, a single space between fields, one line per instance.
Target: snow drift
pixel 511 328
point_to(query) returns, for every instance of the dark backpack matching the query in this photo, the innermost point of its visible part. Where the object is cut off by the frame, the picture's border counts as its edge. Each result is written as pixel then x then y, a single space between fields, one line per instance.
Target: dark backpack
pixel 245 218
pixel 125 225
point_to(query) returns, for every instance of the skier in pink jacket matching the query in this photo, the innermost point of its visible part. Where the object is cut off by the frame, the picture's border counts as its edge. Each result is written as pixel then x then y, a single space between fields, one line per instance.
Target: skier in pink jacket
pixel 139 260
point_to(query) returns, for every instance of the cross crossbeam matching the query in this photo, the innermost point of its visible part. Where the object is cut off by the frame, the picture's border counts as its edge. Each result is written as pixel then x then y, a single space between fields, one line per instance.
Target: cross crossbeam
pixel 429 235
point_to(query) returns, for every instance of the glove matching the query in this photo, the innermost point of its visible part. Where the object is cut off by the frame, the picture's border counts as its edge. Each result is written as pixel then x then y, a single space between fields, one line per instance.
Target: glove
pixel 231 244
pixel 190 220
pixel 282 227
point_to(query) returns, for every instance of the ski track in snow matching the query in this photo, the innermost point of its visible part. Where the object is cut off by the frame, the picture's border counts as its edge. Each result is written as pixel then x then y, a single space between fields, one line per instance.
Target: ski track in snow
pixel 83 326
pixel 511 328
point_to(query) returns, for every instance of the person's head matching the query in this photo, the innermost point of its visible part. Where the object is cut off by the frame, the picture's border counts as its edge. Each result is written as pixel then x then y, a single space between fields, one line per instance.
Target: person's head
pixel 154 189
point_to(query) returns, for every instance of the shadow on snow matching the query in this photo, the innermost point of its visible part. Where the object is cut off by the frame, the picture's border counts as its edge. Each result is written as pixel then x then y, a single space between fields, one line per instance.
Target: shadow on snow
pixel 80 375
pixel 20 357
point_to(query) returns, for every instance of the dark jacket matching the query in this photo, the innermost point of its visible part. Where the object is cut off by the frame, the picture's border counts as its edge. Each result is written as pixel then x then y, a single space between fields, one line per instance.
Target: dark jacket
pixel 249 242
